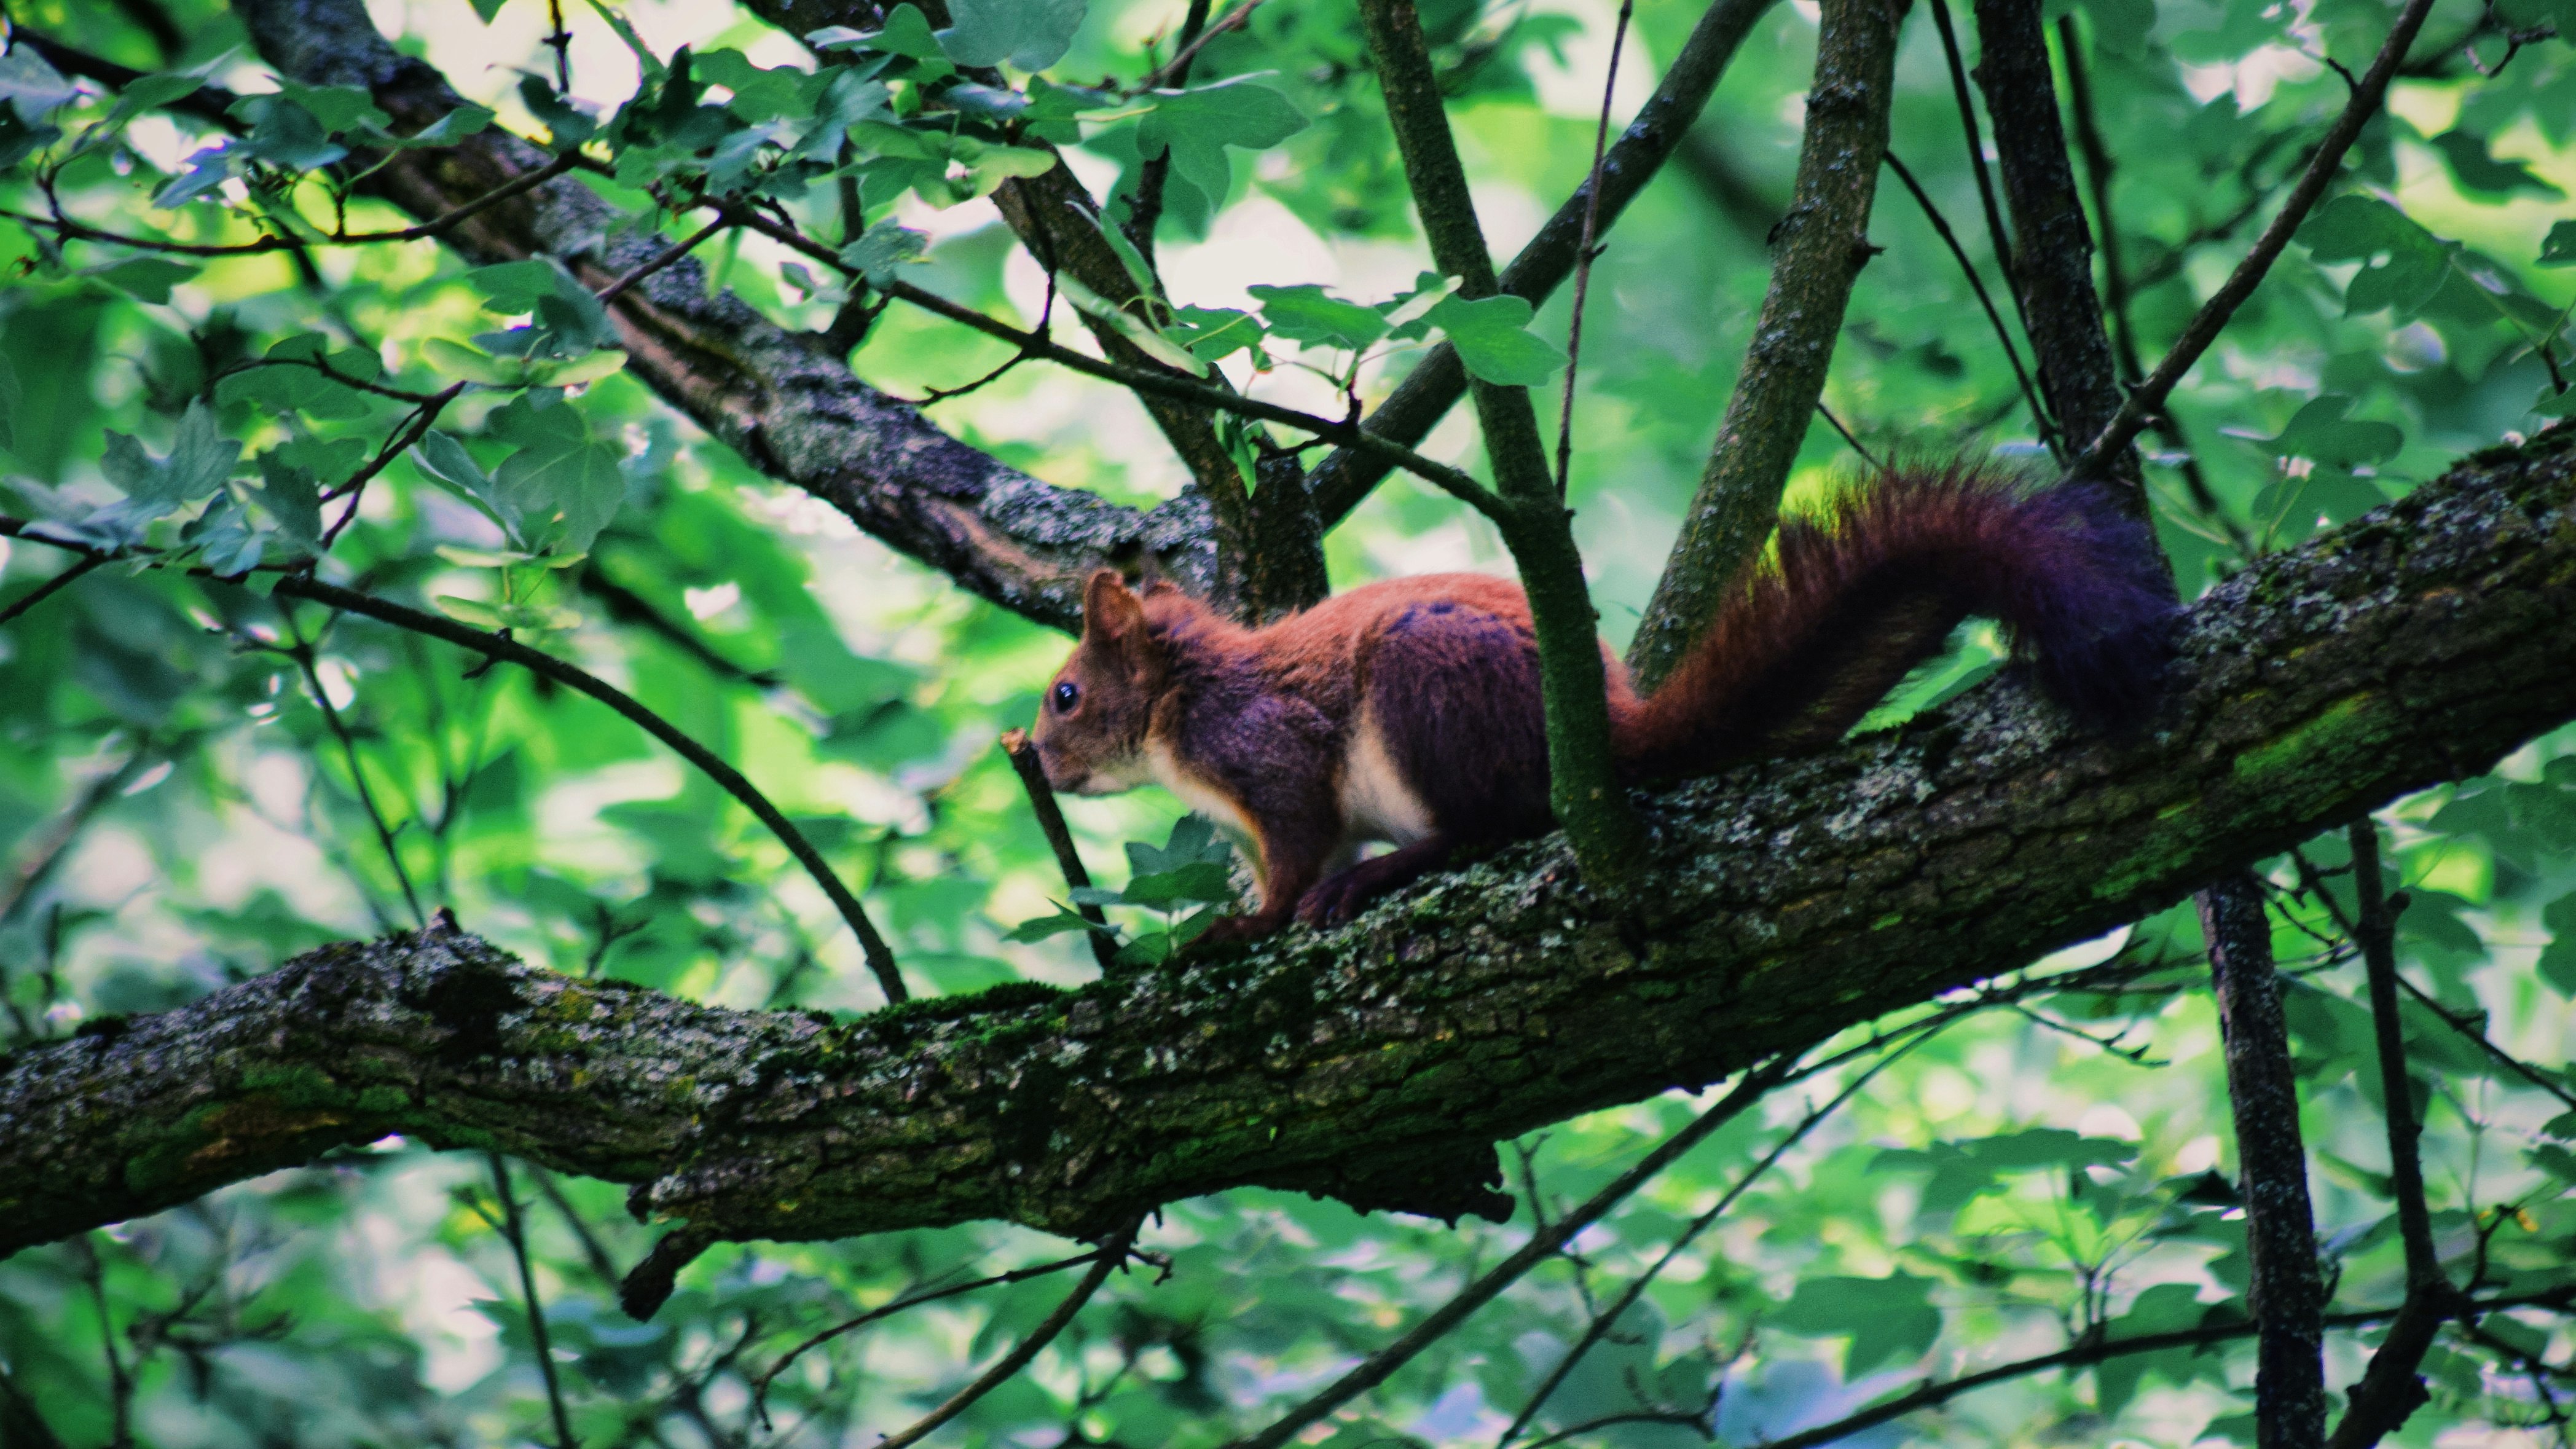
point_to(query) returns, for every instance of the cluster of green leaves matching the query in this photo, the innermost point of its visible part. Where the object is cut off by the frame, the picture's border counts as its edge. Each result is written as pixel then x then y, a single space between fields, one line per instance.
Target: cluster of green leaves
pixel 179 790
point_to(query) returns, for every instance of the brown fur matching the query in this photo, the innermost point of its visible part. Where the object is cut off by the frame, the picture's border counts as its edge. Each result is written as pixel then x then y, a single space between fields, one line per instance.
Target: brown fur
pixel 1410 710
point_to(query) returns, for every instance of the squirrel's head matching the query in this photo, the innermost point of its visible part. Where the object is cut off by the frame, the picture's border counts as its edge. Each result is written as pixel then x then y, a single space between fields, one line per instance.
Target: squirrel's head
pixel 1091 721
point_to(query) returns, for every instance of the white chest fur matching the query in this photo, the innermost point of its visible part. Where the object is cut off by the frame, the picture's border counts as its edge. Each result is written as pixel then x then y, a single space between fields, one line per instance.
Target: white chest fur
pixel 1201 796
pixel 1376 802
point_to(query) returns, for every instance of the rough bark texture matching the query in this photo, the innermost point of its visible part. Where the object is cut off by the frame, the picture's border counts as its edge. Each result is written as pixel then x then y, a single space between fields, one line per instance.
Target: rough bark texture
pixel 782 399
pixel 2287 1294
pixel 2052 253
pixel 1820 248
pixel 1378 1062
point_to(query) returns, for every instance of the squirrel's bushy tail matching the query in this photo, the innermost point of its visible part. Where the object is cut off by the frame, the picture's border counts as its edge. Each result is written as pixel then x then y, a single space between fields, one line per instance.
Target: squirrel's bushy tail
pixel 1806 645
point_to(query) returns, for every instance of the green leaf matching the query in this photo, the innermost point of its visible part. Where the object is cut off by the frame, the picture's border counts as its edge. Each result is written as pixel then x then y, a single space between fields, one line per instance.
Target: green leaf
pixel 445 461
pixel 882 248
pixel 2558 249
pixel 1215 333
pixel 1306 313
pixel 293 497
pixel 1885 1318
pixel 2479 170
pixel 1494 341
pixel 1132 326
pixel 563 484
pixel 472 364
pixel 1193 841
pixel 161 88
pixel 466 120
pixel 340 109
pixel 1041 927
pixel 146 279
pixel 2403 264
pixel 208 169
pixel 484 10
pixel 2558 958
pixel 1030 34
pixel 200 459
pixel 906 33
pixel 32 88
pixel 285 134
pixel 1205 882
pixel 645 60
pixel 1197 125
pixel 2320 432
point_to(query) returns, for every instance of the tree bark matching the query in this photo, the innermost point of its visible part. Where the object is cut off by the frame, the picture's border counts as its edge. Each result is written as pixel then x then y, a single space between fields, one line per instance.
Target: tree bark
pixel 782 399
pixel 1379 1062
pixel 2288 1295
pixel 1821 244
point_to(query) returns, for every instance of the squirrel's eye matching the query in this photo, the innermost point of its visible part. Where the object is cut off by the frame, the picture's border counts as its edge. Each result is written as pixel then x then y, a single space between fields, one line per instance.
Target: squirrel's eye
pixel 1064 695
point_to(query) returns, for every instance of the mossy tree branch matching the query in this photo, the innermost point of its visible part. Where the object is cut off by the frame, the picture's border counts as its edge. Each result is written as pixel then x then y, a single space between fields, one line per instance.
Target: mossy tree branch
pixel 1379 1062
pixel 1536 526
pixel 784 400
pixel 1820 248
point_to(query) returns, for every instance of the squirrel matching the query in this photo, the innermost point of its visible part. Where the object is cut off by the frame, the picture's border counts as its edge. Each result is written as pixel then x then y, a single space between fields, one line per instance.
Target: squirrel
pixel 1408 711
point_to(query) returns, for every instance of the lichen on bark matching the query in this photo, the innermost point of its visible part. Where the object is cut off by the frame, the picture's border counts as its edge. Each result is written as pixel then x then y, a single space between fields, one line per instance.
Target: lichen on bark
pixel 1788 900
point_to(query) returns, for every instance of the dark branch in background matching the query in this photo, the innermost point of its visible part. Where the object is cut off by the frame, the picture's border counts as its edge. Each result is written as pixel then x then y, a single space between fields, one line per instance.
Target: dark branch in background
pixel 1587 252
pixel 2287 1295
pixel 513 1228
pixel 305 667
pixel 760 1385
pixel 2039 419
pixel 1819 249
pixel 1788 901
pixel 880 957
pixel 1146 211
pixel 1932 1396
pixel 65 579
pixel 1023 755
pixel 2148 397
pixel 1607 1318
pixel 210 104
pixel 629 607
pixel 1997 235
pixel 1438 381
pixel 2052 250
pixel 1583 782
pixel 782 399
pixel 2390 1390
pixel 1112 1256
pixel 2116 287
pixel 1543 1244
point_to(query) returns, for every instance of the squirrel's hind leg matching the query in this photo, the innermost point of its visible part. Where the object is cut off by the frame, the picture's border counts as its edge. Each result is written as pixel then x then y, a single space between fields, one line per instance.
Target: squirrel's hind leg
pixel 1346 893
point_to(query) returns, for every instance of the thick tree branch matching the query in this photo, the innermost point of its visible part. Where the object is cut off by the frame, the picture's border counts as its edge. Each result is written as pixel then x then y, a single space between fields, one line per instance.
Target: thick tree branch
pixel 1820 248
pixel 782 399
pixel 1788 900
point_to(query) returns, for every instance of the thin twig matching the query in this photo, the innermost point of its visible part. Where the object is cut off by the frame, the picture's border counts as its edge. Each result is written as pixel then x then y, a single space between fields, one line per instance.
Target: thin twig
pixel 47 589
pixel 1836 424
pixel 1931 1396
pixel 1996 232
pixel 302 654
pixel 1339 430
pixel 2021 376
pixel 1587 252
pixel 660 259
pixel 1023 756
pixel 880 957
pixel 2148 397
pixel 1177 72
pixel 760 1386
pixel 1541 1246
pixel 514 1229
pixel 1112 1255
pixel 282 242
pixel 1602 1322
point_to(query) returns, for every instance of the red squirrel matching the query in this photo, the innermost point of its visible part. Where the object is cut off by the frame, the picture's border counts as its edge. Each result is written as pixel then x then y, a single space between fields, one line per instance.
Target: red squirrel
pixel 1409 711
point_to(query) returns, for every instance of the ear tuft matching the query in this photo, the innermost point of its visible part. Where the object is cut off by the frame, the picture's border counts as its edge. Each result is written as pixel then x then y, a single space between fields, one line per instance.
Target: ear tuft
pixel 1110 610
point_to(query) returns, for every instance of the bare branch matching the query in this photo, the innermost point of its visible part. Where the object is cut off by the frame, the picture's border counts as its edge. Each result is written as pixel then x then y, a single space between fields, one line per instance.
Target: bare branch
pixel 1820 247
pixel 1023 755
pixel 2148 397
pixel 2287 1295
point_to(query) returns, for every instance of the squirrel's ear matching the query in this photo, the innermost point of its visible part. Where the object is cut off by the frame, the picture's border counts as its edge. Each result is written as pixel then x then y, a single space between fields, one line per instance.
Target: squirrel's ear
pixel 1110 610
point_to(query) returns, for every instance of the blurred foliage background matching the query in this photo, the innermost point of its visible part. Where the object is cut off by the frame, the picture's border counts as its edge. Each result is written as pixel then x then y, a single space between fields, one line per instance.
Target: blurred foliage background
pixel 199 781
